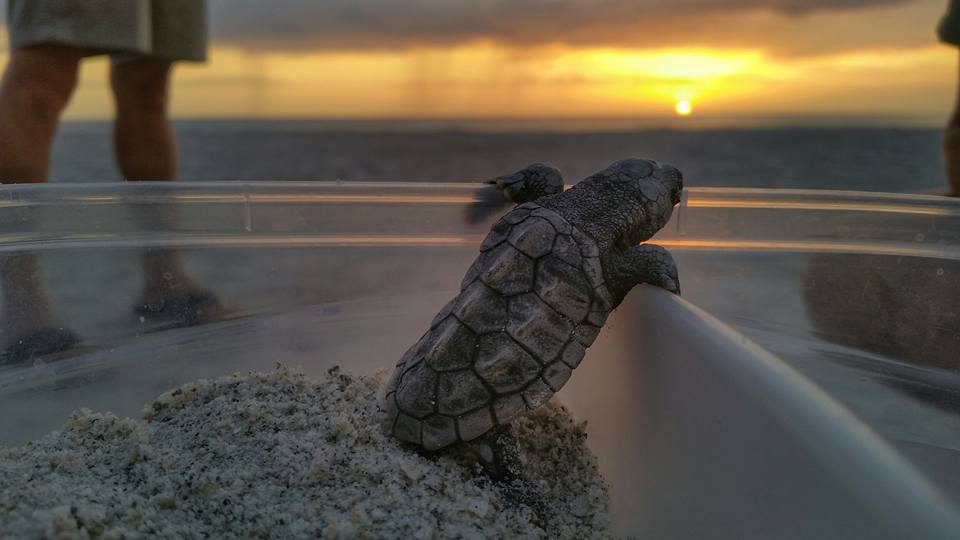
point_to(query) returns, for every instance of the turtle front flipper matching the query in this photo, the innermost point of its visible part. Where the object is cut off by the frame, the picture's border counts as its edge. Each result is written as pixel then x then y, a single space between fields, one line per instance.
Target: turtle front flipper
pixel 526 185
pixel 646 263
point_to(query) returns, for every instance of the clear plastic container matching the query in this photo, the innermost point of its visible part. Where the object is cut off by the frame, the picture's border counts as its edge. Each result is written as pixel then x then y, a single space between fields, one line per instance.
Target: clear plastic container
pixel 806 385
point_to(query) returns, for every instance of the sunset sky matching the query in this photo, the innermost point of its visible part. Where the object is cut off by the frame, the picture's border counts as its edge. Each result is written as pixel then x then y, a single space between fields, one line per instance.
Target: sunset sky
pixel 561 58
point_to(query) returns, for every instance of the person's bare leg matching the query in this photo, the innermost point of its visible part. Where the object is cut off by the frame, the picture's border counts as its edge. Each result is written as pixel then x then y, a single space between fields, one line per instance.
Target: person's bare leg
pixel 36 87
pixel 146 150
pixel 951 147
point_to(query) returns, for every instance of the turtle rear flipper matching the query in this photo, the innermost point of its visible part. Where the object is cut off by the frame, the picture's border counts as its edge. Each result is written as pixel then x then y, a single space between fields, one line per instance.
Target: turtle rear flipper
pixel 498 454
pixel 526 185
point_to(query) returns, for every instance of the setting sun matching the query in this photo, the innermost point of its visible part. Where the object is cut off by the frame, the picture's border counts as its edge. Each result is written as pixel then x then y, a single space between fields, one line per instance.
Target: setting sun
pixel 684 108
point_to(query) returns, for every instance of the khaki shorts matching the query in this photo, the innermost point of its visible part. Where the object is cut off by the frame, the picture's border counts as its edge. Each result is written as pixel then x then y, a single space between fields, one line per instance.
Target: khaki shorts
pixel 166 29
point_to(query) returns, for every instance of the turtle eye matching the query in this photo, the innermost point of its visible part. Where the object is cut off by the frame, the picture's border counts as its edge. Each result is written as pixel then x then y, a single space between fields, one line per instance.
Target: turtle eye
pixel 651 190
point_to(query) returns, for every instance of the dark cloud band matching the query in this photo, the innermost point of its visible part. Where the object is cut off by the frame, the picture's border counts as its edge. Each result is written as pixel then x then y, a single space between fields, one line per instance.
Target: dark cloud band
pixel 385 24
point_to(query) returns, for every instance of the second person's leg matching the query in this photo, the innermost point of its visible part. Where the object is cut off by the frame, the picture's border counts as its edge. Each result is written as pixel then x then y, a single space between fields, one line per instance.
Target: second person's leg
pixel 146 150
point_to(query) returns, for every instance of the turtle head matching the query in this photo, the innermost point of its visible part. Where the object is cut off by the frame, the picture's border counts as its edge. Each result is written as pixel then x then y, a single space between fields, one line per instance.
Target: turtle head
pixel 649 192
pixel 622 205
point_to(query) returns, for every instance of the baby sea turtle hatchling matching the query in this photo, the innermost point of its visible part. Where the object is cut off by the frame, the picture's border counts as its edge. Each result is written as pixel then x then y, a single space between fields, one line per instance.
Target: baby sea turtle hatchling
pixel 548 274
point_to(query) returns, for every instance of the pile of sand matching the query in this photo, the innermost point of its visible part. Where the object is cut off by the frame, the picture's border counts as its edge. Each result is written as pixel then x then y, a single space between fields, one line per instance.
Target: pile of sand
pixel 280 455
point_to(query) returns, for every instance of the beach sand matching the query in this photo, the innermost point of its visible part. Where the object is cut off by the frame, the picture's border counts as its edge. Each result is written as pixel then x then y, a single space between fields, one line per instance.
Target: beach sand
pixel 281 455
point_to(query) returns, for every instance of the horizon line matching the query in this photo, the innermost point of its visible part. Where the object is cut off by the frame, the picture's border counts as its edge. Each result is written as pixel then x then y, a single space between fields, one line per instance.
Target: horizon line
pixel 578 123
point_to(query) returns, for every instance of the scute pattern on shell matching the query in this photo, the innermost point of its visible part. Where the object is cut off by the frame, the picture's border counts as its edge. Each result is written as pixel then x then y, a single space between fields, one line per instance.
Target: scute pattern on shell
pixel 528 308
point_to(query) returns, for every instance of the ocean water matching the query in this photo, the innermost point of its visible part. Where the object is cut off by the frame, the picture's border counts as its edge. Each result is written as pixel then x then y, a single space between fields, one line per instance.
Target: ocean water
pixel 871 158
